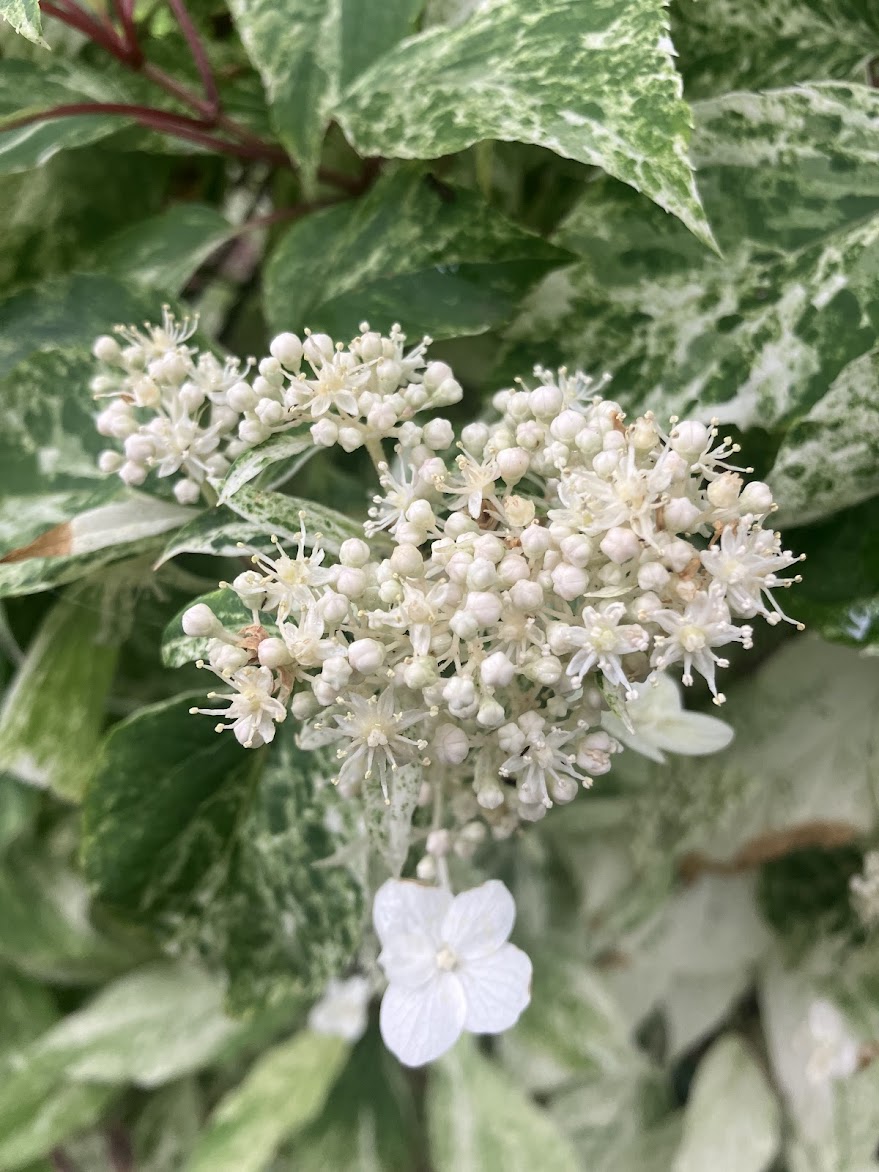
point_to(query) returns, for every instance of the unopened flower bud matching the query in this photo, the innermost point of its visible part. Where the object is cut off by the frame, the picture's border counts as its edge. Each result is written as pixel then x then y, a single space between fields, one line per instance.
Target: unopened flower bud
pixel 287 349
pixel 450 744
pixel 199 622
pixel 620 545
pixel 273 653
pixel 366 655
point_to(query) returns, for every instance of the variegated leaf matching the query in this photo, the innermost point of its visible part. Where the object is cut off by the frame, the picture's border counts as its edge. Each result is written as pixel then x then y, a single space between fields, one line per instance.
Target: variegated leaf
pixel 155 1024
pixel 479 1118
pixel 281 1094
pixel 750 44
pixel 26 86
pixel 611 99
pixel 307 50
pixel 755 338
pixel 164 251
pixel 54 745
pixel 437 259
pixel 829 459
pixel 24 16
pixel 287 515
pixel 220 853
pixel 290 448
pixel 219 532
pixel 124 529
pixel 732 1122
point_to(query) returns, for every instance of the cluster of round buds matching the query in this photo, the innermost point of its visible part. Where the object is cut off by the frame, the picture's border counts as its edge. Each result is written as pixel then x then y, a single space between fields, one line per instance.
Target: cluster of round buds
pixel 168 406
pixel 182 412
pixel 355 395
pixel 560 561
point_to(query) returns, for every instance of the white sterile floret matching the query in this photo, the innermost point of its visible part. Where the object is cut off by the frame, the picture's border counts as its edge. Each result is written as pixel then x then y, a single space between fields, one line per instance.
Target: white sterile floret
pixel 449 966
pixel 658 723
pixel 865 890
pixel 342 1011
pixel 834 1052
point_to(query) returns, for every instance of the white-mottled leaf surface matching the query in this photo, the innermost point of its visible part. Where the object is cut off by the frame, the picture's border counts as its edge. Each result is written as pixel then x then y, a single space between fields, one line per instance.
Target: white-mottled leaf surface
pixel 611 99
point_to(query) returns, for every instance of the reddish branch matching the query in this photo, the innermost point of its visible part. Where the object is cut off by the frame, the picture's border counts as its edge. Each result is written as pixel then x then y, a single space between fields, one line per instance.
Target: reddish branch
pixel 199 53
pixel 211 119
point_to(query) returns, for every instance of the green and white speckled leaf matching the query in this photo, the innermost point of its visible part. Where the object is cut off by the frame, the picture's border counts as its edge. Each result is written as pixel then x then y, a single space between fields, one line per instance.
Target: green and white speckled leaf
pixel 307 50
pixel 45 923
pixel 436 259
pixel 220 533
pixel 53 745
pixel 126 528
pixel 179 649
pixel 478 1118
pixel 755 338
pixel 281 1094
pixel 66 313
pixel 285 515
pixel 161 1022
pixel 28 88
pixel 24 16
pixel 728 45
pixel 368 1123
pixel 594 82
pixel 829 459
pixel 48 439
pixel 732 1121
pixel 164 251
pixel 39 1110
pixel 215 848
pixel 290 448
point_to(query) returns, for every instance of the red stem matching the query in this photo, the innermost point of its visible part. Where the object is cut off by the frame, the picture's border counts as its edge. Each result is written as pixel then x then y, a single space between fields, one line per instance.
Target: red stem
pixel 179 125
pixel 125 12
pixel 199 53
pixel 129 53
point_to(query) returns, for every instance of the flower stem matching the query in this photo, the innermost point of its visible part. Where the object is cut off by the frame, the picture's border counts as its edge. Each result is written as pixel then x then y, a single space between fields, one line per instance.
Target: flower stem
pixel 374 447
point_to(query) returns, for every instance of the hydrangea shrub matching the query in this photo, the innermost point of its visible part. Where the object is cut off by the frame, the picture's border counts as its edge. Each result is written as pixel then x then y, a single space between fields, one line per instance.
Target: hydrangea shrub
pixel 415 414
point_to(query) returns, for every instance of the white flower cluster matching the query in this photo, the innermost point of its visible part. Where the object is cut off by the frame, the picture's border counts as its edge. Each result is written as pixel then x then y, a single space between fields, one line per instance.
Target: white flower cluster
pixel 559 560
pixel 181 411
pixel 508 614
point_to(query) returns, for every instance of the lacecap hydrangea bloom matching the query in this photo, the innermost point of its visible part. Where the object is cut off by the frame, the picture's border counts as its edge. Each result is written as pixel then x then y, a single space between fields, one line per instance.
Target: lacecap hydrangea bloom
pixel 515 608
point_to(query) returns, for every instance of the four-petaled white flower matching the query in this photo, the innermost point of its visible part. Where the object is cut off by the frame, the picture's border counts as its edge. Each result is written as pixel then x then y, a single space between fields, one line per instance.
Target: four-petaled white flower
pixel 661 724
pixel 342 1011
pixel 449 966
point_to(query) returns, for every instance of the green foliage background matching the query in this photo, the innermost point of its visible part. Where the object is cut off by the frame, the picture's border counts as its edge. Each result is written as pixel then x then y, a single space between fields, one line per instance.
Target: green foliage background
pixel 687 198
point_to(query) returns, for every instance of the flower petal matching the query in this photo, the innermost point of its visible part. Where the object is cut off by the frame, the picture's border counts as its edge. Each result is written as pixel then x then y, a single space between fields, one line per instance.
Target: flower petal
pixel 403 907
pixel 497 988
pixel 692 734
pixel 636 741
pixel 479 921
pixel 409 959
pixel 418 1025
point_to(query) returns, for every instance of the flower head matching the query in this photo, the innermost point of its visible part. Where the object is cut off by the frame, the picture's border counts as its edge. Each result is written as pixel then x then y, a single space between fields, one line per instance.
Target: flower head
pixel 449 966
